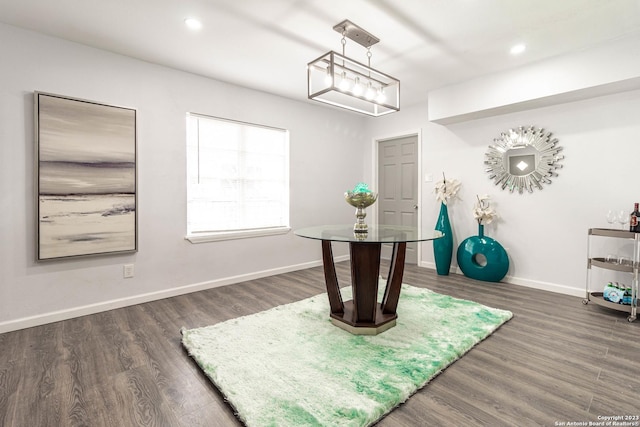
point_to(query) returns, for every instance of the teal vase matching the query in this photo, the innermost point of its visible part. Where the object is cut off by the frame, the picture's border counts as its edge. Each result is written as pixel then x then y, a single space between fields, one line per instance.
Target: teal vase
pixel 482 258
pixel 443 247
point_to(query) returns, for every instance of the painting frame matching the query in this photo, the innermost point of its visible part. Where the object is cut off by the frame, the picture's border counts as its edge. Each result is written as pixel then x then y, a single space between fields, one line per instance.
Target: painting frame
pixel 86 178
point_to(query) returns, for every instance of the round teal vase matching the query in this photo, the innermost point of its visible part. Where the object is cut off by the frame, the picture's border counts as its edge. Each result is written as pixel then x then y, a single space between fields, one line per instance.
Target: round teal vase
pixel 443 247
pixel 482 258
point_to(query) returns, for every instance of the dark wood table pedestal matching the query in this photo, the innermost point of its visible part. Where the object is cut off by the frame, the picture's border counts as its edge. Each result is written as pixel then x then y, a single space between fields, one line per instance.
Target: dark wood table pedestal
pixel 364 315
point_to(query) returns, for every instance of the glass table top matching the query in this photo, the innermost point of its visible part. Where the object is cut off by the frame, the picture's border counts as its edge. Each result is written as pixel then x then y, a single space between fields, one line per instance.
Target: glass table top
pixel 375 234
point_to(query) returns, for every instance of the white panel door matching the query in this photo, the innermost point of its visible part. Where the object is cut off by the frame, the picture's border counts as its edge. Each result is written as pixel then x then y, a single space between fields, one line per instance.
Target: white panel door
pixel 398 187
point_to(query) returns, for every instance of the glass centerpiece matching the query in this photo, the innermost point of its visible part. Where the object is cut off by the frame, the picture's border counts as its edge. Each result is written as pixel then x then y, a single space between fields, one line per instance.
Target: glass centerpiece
pixel 360 198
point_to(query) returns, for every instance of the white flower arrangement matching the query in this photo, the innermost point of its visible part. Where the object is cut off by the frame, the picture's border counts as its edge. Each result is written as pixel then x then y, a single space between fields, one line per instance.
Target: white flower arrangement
pixel 482 210
pixel 446 189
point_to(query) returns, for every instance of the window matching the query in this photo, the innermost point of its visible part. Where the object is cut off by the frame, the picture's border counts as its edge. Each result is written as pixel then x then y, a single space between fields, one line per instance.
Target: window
pixel 238 179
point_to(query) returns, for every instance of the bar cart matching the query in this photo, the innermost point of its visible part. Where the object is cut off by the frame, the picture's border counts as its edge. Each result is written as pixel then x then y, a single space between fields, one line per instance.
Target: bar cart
pixel 628 266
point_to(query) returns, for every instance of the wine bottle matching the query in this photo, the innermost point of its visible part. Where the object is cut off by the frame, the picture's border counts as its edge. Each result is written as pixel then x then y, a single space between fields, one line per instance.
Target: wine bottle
pixel 634 219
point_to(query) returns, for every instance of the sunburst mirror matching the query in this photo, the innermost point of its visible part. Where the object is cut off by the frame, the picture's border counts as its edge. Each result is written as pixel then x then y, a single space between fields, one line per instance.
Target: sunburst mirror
pixel 523 159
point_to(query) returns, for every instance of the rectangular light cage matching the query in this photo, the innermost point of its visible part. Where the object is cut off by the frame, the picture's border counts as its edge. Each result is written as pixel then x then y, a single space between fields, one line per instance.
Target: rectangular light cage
pixel 340 81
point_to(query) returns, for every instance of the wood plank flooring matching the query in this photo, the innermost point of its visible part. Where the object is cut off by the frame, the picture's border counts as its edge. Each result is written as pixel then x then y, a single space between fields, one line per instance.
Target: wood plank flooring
pixel 557 361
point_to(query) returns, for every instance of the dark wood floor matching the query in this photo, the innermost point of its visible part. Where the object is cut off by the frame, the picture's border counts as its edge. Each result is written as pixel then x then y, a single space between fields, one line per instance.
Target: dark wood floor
pixel 556 361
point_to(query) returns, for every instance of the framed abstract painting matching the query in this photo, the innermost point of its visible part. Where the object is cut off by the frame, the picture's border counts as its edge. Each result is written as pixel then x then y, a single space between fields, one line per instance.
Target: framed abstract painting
pixel 86 178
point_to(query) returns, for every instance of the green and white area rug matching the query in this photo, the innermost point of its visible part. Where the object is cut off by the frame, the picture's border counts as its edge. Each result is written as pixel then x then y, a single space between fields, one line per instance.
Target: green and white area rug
pixel 289 366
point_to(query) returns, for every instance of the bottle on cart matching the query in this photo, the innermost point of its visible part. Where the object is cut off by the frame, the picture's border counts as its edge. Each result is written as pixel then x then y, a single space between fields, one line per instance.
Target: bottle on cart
pixel 627 296
pixel 614 292
pixel 606 293
pixel 634 219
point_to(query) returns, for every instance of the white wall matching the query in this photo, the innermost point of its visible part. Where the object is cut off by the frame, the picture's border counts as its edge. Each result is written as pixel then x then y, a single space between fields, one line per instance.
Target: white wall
pixel 545 233
pixel 323 143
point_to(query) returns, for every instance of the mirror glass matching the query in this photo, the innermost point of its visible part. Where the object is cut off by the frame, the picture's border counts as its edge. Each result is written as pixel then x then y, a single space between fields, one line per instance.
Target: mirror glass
pixel 523 159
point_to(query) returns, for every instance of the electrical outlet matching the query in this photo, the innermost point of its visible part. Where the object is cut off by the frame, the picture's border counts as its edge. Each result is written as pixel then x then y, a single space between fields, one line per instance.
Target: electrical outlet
pixel 128 271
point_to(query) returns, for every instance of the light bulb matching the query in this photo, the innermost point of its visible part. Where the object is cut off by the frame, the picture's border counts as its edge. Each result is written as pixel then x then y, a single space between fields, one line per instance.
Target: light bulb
pixel 357 87
pixel 381 98
pixel 344 83
pixel 328 78
pixel 370 93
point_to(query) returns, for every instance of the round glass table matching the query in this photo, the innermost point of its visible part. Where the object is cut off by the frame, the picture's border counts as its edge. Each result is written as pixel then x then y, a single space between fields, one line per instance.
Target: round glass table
pixel 364 315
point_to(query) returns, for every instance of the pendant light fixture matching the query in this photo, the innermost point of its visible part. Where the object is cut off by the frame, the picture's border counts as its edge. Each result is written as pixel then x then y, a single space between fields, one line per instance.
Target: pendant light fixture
pixel 343 82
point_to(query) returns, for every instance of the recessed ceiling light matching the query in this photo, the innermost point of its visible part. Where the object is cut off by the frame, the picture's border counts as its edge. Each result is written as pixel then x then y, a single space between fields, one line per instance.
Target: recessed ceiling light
pixel 193 23
pixel 518 49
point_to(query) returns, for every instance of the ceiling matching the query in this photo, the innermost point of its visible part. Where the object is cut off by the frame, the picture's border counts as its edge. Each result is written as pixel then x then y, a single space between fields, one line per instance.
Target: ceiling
pixel 266 44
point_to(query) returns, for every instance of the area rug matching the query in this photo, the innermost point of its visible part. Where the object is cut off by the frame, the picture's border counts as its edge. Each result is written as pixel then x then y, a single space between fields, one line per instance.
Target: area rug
pixel 289 366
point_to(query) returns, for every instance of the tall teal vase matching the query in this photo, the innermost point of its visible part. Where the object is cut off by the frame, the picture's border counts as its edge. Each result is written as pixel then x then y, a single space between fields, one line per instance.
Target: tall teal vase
pixel 443 247
pixel 482 258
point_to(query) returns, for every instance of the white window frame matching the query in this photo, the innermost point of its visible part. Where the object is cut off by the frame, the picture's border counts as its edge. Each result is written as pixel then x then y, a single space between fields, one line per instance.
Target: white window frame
pixel 193 149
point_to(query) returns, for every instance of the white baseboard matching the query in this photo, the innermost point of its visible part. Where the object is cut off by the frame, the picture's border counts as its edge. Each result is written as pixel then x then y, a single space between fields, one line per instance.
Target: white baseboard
pixel 546 286
pixel 56 316
pixel 535 284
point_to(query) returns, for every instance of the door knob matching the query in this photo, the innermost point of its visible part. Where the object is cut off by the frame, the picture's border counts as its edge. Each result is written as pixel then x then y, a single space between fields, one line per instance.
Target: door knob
pixel 415 206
